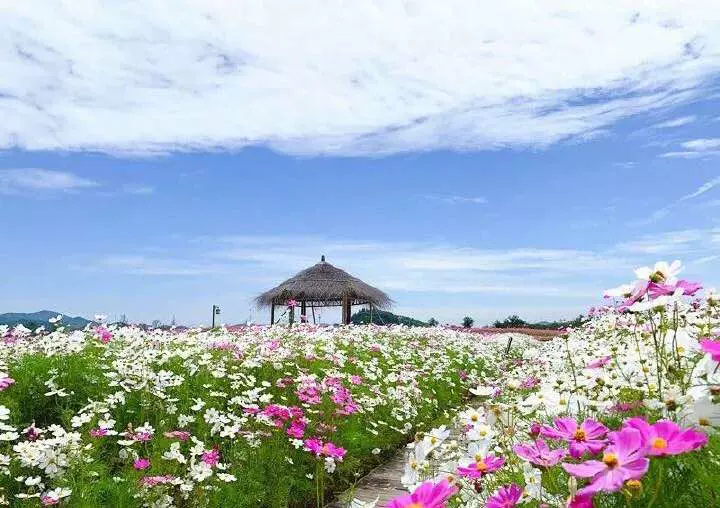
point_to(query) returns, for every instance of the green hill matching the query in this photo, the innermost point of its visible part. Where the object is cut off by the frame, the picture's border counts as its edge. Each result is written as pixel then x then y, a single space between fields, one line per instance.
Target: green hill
pixel 381 317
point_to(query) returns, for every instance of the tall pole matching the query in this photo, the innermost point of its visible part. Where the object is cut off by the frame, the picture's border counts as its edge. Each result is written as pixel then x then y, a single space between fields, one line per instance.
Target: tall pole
pixel 213 318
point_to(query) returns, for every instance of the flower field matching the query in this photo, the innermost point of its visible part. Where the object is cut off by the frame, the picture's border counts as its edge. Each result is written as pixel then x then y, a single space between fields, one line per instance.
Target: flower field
pixel 619 412
pixel 266 416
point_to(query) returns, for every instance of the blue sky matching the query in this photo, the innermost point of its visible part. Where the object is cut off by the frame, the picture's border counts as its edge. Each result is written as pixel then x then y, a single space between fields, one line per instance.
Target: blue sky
pixel 182 163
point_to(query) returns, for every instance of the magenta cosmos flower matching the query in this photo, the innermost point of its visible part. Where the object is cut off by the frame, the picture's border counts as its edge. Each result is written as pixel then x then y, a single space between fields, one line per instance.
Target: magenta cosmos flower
pixel 539 453
pixel 317 447
pixel 427 495
pixel 623 460
pixel 141 464
pixel 666 437
pixel 600 362
pixel 505 497
pixel 711 347
pixel 481 466
pixel 589 436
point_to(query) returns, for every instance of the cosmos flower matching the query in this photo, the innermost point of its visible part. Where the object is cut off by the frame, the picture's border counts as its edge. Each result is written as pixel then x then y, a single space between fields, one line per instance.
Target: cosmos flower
pixel 623 460
pixel 481 467
pixel 141 464
pixel 538 453
pixel 427 495
pixel 666 437
pixel 711 347
pixel 505 497
pixel 586 437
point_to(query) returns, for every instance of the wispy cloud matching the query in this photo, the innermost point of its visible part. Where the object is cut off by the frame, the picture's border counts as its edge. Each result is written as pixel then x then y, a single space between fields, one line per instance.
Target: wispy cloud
pixel 665 211
pixel 508 77
pixel 696 148
pixel 138 189
pixel 38 180
pixel 675 122
pixel 457 200
pixel 422 267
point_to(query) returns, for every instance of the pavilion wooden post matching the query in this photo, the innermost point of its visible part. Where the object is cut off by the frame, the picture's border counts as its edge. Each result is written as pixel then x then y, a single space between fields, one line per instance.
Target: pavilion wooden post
pixel 346 312
pixel 303 312
pixel 272 314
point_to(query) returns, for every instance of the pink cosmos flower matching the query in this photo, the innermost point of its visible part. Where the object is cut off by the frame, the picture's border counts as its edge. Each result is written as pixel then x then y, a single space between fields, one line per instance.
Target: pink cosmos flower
pixel 623 460
pixel 141 464
pixel 666 438
pixel 505 497
pixel 211 457
pixel 711 347
pixel 689 288
pixel 600 362
pixel 638 291
pixel 296 428
pixel 151 481
pixel 181 435
pixel 589 436
pixel 6 382
pixel 99 432
pixel 539 453
pixel 581 501
pixel 103 334
pixel 481 467
pixel 292 304
pixel 317 447
pixel 47 500
pixel 427 495
pixel 356 380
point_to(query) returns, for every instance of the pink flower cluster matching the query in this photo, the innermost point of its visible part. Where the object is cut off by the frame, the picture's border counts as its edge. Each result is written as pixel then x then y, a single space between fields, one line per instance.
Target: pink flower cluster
pixel 103 334
pixel 152 481
pixel 324 449
pixel 6 382
pixel 626 456
pixel 280 416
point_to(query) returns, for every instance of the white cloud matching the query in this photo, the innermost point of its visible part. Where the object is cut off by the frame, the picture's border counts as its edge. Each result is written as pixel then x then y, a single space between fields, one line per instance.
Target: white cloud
pixel 675 122
pixel 701 145
pixel 21 180
pixel 138 189
pixel 697 148
pixel 343 77
pixel 458 200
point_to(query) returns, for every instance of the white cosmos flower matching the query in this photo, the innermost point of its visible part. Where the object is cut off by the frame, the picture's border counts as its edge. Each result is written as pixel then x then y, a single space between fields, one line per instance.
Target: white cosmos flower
pixel 662 271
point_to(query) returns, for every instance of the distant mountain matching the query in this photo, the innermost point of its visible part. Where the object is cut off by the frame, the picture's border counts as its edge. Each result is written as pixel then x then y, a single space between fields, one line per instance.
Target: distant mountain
pixel 35 319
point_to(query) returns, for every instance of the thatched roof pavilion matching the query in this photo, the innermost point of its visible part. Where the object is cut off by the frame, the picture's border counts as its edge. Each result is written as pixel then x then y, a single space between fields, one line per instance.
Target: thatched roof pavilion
pixel 323 285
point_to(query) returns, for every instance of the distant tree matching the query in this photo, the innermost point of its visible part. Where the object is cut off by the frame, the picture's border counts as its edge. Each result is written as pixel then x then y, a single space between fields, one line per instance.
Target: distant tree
pixel 512 321
pixel 123 319
pixel 156 324
pixel 467 322
pixel 432 321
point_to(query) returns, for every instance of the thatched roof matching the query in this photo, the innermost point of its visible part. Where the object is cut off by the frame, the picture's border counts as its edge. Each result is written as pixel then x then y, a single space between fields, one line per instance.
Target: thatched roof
pixel 324 285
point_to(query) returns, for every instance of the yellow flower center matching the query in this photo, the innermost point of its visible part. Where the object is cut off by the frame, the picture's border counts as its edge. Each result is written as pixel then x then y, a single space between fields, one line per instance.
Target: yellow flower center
pixel 474 418
pixel 433 440
pixel 610 460
pixel 659 443
pixel 634 485
pixel 416 505
pixel 704 422
pixel 579 435
pixel 481 466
